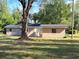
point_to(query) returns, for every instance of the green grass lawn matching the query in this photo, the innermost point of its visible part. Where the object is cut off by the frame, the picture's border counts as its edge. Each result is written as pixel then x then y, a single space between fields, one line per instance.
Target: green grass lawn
pixel 11 48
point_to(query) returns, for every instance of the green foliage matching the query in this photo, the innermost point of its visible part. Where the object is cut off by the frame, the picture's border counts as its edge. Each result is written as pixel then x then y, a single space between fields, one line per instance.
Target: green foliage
pixel 35 18
pixel 54 13
pixel 5 16
pixel 16 15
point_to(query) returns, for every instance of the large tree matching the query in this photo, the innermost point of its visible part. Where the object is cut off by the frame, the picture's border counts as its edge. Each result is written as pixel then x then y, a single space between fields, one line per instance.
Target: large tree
pixel 26 4
pixel 56 11
pixel 5 16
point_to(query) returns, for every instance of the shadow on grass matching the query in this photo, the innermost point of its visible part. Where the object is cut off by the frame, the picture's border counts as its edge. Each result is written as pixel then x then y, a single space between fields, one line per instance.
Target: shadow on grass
pixel 53 53
pixel 63 51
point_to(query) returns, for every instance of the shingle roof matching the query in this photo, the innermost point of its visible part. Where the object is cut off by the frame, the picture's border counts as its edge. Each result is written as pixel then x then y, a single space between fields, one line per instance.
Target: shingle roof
pixel 54 26
pixel 13 26
pixel 48 26
pixel 39 26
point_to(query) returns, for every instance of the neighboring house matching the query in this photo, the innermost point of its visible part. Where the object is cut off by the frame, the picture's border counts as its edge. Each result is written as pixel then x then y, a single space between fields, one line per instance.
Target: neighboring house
pixel 13 30
pixel 37 30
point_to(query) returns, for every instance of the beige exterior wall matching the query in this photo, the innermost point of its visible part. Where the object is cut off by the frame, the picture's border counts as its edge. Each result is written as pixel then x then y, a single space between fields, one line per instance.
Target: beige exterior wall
pixel 31 32
pixel 52 35
pixel 47 33
pixel 34 32
pixel 46 30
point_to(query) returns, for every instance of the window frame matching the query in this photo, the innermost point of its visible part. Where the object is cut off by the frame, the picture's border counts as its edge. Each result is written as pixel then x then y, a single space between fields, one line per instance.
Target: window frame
pixel 53 30
pixel 10 30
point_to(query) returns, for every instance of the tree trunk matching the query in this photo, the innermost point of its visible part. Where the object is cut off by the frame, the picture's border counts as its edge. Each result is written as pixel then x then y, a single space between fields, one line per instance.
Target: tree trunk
pixel 24 22
pixel 25 15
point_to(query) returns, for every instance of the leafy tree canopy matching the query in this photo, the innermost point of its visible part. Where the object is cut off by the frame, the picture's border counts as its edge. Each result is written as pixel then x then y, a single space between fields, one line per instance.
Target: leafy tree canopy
pixel 54 13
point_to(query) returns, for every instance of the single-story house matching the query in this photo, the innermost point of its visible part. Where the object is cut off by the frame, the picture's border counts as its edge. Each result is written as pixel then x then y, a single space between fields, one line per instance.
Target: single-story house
pixel 13 30
pixel 39 30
